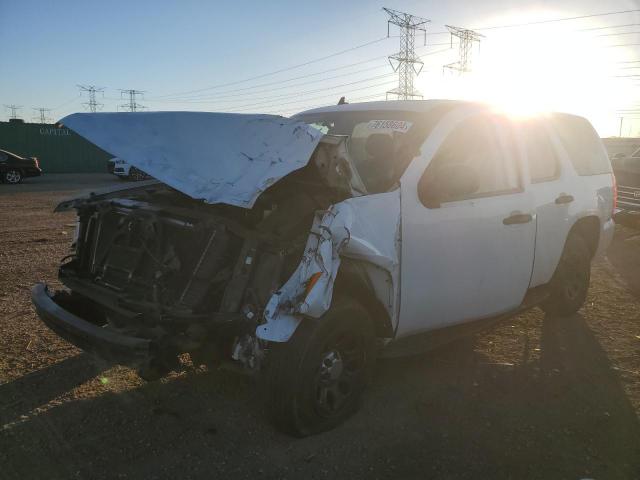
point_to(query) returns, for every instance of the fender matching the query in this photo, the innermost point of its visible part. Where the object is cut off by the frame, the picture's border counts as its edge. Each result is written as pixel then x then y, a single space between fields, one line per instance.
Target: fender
pixel 364 228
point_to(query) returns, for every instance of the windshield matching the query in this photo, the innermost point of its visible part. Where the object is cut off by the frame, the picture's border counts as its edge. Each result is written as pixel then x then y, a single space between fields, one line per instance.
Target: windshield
pixel 382 143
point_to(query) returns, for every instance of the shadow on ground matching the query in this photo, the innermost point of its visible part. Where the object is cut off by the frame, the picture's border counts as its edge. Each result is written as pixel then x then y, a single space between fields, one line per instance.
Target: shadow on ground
pixel 624 252
pixel 449 414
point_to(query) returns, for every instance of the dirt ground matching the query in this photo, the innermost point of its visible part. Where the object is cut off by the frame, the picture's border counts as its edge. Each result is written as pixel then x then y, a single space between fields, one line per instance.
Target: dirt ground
pixel 535 398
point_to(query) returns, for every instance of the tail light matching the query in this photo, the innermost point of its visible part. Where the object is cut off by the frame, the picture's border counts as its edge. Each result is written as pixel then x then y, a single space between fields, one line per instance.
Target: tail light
pixel 35 159
pixel 615 195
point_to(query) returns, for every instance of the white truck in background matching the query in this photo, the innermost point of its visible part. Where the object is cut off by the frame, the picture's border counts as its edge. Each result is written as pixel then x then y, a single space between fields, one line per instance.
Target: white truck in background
pixel 124 170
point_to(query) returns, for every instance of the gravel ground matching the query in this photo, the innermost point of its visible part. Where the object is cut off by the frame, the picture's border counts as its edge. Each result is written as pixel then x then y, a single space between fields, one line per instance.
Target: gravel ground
pixel 537 397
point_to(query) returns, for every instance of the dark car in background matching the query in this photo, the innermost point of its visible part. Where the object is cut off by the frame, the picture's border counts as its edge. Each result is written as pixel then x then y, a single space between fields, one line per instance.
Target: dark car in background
pixel 627 172
pixel 13 168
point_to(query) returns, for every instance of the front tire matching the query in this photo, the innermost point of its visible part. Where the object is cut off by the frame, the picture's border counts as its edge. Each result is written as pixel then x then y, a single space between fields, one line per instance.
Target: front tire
pixel 570 282
pixel 12 176
pixel 315 380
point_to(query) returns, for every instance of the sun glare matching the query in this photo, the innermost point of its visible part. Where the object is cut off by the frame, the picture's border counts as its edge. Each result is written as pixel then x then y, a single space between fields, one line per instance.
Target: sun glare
pixel 548 67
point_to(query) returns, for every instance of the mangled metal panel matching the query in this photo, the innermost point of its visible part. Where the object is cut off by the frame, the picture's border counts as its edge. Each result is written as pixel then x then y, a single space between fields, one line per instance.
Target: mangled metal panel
pixel 215 157
pixel 364 228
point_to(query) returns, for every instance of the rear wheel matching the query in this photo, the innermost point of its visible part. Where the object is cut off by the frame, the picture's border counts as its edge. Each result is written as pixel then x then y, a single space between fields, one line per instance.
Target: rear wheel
pixel 315 380
pixel 570 282
pixel 12 176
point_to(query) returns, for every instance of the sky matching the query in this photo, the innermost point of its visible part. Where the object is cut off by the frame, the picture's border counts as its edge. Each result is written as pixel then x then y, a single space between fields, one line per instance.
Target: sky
pixel 282 57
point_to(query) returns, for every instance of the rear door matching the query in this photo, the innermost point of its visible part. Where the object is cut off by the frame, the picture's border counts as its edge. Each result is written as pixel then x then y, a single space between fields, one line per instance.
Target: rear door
pixel 471 257
pixel 552 198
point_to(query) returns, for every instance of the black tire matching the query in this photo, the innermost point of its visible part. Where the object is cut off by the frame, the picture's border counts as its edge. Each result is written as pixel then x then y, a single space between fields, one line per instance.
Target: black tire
pixel 570 282
pixel 153 370
pixel 315 381
pixel 12 176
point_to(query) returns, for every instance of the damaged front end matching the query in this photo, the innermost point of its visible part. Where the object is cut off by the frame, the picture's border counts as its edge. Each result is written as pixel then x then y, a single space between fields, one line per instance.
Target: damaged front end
pixel 155 273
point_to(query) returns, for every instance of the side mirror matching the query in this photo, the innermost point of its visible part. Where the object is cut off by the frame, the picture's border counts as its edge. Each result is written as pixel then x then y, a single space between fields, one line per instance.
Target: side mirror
pixel 446 183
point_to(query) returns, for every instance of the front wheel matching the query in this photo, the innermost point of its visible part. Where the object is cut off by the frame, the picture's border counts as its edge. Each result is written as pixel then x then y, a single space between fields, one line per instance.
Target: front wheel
pixel 570 282
pixel 12 176
pixel 316 379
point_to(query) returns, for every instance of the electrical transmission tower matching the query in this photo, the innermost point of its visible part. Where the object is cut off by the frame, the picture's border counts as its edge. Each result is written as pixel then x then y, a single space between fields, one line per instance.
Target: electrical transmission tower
pixel 466 38
pixel 407 61
pixel 133 105
pixel 14 110
pixel 92 104
pixel 43 114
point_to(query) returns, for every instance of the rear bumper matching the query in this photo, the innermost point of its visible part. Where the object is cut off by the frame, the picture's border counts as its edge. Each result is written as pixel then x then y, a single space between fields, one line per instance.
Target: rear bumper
pixel 87 336
pixel 32 172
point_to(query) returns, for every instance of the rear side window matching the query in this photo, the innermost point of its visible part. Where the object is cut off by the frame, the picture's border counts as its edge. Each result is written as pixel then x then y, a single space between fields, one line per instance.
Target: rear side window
pixel 582 144
pixel 541 156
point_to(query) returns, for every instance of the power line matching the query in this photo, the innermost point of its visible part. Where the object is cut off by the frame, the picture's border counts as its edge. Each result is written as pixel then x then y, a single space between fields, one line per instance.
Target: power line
pixel 178 94
pixel 564 19
pixel 309 99
pixel 618 33
pixel 406 58
pixel 132 105
pixel 379 96
pixel 241 91
pixel 288 95
pixel 14 110
pixel 292 67
pixel 609 26
pixel 43 114
pixel 66 103
pixel 277 82
pixel 92 104
pixel 622 45
pixel 466 38
pixel 270 101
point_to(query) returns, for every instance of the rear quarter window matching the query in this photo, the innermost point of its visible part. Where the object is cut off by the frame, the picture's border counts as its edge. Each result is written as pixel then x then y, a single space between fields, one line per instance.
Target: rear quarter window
pixel 582 144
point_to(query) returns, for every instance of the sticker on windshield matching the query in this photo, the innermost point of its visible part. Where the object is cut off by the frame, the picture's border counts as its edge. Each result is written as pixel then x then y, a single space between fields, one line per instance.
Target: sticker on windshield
pixel 393 125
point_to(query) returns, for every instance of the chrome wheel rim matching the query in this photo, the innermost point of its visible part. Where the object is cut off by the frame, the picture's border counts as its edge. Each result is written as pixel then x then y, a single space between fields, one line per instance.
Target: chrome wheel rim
pixel 339 373
pixel 12 176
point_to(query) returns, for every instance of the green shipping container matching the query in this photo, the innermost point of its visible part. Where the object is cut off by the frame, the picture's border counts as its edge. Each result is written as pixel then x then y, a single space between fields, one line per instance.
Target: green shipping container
pixel 59 150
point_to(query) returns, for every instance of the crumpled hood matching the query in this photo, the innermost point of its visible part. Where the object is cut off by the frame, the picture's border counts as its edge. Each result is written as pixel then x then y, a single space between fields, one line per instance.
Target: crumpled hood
pixel 215 157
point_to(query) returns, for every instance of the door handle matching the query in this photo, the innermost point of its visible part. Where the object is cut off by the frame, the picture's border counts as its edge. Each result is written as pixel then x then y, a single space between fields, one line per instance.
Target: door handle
pixel 564 199
pixel 518 218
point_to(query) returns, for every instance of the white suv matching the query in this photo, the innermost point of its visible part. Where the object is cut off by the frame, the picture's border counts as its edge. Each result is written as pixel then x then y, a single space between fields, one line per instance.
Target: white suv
pixel 303 248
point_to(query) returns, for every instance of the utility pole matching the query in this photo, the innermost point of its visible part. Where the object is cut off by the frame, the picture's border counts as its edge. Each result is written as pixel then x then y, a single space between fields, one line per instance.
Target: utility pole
pixel 621 120
pixel 133 105
pixel 92 104
pixel 406 59
pixel 43 114
pixel 466 38
pixel 14 109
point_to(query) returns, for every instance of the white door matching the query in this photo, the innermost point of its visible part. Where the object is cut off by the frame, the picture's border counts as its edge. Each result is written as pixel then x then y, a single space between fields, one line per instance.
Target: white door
pixel 548 184
pixel 471 255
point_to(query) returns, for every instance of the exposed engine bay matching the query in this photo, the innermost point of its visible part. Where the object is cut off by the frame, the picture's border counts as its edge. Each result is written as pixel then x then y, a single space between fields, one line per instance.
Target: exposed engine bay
pixel 151 262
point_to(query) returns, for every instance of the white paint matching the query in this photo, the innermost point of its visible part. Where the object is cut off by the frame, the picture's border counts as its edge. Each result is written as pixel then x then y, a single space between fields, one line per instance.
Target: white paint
pixel 459 261
pixel 217 157
pixel 329 235
pixel 363 228
pixel 430 268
